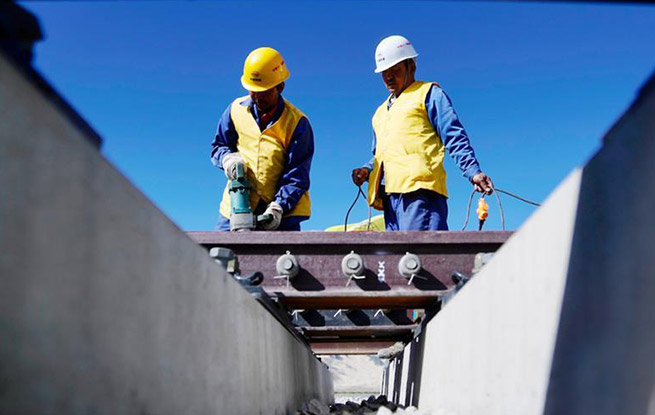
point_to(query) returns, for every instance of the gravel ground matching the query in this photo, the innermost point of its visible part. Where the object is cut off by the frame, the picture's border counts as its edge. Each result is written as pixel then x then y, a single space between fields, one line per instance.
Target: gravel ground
pixel 370 406
pixel 355 376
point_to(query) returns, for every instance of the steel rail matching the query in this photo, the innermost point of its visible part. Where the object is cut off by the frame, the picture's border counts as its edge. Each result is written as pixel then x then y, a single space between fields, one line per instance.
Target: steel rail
pixel 370 308
pixel 320 281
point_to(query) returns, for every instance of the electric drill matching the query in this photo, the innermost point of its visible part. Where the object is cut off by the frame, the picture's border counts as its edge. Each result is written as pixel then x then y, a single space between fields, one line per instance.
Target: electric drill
pixel 241 215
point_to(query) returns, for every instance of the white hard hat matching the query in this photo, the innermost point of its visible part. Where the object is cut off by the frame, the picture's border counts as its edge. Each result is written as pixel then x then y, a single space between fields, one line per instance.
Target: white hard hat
pixel 391 50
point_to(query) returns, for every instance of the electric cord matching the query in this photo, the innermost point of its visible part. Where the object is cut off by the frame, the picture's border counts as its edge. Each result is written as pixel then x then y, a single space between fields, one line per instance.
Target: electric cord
pixel 468 210
pixel 368 224
pixel 517 197
pixel 500 206
pixel 502 214
pixel 360 192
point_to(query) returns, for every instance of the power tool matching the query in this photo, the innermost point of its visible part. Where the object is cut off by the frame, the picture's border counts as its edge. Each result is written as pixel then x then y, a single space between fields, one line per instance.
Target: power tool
pixel 241 215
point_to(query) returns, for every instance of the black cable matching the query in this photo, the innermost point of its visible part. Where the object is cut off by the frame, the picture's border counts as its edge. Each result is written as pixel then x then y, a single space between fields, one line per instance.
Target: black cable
pixel 359 192
pixel 468 211
pixel 516 197
pixel 368 224
pixel 500 206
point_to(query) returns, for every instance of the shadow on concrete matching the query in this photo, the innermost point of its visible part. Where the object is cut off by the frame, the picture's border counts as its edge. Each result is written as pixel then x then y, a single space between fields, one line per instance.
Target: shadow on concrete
pixel 604 358
pixel 405 390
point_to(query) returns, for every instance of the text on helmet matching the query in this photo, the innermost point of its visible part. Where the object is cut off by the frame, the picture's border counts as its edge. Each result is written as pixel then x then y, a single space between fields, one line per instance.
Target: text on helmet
pixel 278 67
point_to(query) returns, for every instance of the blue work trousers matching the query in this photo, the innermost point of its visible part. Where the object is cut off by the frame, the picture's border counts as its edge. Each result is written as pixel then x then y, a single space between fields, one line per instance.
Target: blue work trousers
pixel 421 210
pixel 291 223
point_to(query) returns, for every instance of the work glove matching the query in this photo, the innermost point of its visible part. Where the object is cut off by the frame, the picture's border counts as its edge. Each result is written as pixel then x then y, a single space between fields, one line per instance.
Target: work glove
pixel 274 210
pixel 230 161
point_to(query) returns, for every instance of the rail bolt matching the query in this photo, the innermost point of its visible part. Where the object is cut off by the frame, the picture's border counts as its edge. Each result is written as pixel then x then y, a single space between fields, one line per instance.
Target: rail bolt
pixel 409 265
pixel 287 265
pixel 225 257
pixel 352 267
pixel 352 264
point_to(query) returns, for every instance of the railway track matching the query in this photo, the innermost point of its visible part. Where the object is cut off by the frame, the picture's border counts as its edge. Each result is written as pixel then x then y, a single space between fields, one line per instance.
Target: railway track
pixel 351 293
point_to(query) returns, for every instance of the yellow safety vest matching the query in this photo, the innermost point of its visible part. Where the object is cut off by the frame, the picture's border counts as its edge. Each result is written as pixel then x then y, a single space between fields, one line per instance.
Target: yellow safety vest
pixel 408 149
pixel 264 154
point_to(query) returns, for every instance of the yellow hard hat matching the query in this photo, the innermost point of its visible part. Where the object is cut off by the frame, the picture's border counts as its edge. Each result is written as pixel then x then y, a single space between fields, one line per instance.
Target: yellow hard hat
pixel 264 68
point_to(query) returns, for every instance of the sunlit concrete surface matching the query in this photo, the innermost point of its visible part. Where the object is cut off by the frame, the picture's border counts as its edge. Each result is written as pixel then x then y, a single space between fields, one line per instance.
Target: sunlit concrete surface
pixel 106 306
pixel 489 350
pixel 605 355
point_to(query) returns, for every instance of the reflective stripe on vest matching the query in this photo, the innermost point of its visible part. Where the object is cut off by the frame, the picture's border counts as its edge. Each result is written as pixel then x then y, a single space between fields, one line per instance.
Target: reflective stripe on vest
pixel 264 154
pixel 408 149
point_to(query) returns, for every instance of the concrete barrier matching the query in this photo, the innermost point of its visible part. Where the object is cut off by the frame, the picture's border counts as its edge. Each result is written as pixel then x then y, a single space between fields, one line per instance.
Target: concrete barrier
pixel 604 360
pixel 561 320
pixel 105 305
pixel 488 351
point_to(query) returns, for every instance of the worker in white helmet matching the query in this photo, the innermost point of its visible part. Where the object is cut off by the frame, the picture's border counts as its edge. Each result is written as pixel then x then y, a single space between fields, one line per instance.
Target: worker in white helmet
pixel 413 128
pixel 272 139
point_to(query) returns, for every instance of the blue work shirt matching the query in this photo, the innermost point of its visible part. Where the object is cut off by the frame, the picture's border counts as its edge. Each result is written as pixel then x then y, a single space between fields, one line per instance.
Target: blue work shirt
pixel 445 122
pixel 294 181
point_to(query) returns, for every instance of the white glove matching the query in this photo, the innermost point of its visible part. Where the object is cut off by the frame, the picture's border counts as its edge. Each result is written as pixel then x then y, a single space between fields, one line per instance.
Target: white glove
pixel 276 211
pixel 230 161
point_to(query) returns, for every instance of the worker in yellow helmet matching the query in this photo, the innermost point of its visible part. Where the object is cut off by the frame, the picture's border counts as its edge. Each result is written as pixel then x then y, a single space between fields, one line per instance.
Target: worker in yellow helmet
pixel 413 128
pixel 273 140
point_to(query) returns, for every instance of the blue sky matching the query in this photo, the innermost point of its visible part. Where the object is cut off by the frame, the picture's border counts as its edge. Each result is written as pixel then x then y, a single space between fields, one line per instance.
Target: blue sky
pixel 535 84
